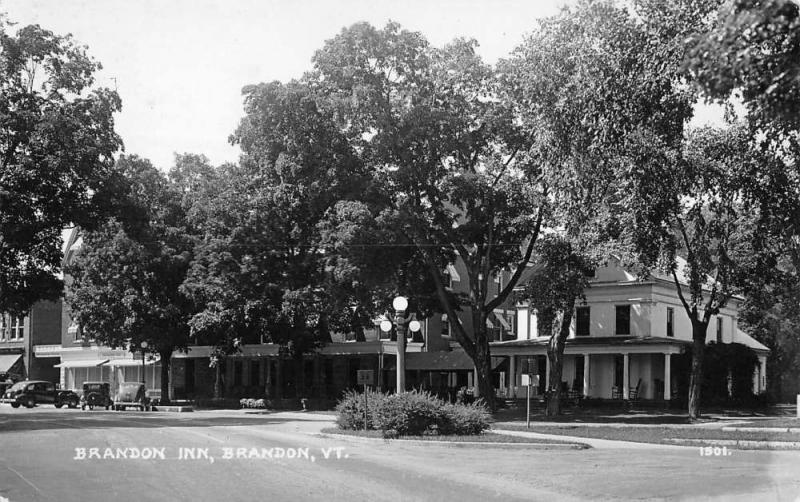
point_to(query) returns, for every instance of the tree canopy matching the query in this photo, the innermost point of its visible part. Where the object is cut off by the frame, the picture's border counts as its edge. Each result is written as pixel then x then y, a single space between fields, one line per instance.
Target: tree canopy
pixel 126 278
pixel 57 140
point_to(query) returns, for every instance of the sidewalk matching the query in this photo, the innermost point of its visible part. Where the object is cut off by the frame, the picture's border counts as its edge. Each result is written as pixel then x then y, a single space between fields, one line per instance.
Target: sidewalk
pixel 622 425
pixel 606 444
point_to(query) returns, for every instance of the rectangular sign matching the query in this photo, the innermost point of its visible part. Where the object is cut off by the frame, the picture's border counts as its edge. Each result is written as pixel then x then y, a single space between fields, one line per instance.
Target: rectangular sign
pixel 530 380
pixel 366 377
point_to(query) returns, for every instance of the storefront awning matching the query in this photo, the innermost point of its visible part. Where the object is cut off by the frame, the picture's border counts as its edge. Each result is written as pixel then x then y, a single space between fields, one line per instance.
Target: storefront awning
pixel 456 360
pixel 81 363
pixel 7 361
pixel 125 363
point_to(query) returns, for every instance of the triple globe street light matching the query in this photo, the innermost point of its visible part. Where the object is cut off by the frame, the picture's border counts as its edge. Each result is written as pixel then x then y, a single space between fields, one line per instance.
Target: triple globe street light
pixel 401 322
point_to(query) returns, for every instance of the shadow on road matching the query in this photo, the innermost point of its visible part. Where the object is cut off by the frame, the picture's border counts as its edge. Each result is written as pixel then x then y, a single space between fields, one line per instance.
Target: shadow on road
pixel 27 420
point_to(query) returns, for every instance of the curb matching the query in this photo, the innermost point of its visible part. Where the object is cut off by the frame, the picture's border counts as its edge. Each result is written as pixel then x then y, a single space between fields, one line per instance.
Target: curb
pixel 461 444
pixel 742 444
pixel 173 409
pixel 793 430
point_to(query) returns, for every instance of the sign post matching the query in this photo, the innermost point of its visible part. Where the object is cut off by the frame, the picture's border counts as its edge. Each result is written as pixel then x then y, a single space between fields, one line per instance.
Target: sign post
pixel 365 378
pixel 529 381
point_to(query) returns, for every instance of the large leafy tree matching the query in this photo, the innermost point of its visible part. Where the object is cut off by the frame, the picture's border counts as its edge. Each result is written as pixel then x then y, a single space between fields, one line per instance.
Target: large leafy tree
pixel 56 167
pixel 718 236
pixel 450 175
pixel 589 85
pixel 127 275
pixel 557 284
pixel 752 51
pixel 259 274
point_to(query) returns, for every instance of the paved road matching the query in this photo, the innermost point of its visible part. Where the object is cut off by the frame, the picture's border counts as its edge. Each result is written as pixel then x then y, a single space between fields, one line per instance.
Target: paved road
pixel 42 458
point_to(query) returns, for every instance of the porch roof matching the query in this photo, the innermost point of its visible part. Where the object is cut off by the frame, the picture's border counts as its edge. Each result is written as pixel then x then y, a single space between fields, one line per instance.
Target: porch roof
pixel 595 344
pixel 596 340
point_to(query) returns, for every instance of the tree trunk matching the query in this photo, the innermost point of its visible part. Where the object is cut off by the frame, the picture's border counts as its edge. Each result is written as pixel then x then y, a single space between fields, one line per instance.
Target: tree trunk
pixel 699 329
pixel 166 360
pixel 483 370
pixel 324 329
pixel 555 354
pixel 359 332
pixel 217 380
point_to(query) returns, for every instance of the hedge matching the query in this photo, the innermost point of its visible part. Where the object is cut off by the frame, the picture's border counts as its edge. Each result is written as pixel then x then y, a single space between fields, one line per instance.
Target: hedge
pixel 410 414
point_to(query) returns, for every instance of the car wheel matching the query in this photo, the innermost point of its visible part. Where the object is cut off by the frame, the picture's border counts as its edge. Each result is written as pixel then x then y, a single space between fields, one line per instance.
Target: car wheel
pixel 30 403
pixel 59 405
pixel 15 405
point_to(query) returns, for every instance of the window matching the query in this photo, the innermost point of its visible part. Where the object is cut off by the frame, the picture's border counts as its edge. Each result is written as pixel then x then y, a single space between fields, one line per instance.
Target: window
pixel 589 273
pixel 2 327
pixel 237 373
pixel 75 331
pixel 719 330
pixel 623 320
pixel 445 325
pixel 255 372
pixel 582 315
pixel 17 328
pixel 670 321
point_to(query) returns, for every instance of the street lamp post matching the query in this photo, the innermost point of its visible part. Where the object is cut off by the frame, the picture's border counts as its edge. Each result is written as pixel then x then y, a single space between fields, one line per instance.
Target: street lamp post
pixel 400 304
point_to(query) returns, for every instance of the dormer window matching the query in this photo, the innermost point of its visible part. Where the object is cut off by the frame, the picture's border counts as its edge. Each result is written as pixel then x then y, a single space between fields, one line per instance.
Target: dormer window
pixel 75 331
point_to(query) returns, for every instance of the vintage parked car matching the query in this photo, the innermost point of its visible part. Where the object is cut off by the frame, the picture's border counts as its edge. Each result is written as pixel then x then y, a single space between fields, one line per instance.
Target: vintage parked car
pixel 96 394
pixel 131 395
pixel 33 392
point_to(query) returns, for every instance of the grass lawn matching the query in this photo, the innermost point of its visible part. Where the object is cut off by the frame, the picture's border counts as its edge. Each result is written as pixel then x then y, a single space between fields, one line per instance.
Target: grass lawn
pixel 783 422
pixel 596 416
pixel 486 437
pixel 655 434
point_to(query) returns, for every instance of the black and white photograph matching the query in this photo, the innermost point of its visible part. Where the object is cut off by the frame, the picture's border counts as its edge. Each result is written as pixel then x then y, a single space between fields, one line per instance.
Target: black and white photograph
pixel 410 250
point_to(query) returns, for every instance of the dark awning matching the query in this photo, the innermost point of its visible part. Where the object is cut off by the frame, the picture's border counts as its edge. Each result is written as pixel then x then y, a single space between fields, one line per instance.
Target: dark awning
pixel 456 360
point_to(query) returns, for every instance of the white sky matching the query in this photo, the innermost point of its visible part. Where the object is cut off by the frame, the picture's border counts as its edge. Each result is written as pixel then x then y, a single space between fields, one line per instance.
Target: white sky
pixel 179 65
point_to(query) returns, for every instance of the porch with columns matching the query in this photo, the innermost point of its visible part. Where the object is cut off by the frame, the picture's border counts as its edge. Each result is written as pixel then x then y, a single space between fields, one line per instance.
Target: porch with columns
pixel 593 370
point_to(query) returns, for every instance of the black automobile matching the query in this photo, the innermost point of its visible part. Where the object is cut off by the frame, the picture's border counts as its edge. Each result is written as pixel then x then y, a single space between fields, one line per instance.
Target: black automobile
pixel 33 392
pixel 96 394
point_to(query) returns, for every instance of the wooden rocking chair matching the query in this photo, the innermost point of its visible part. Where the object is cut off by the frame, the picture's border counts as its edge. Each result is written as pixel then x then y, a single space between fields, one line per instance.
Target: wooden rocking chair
pixel 634 391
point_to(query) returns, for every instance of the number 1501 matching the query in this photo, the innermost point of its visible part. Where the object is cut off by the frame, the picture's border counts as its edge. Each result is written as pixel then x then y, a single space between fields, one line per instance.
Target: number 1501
pixel 715 451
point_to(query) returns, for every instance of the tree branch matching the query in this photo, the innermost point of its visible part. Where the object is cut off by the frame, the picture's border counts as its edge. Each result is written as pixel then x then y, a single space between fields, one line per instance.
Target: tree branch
pixel 689 310
pixel 501 297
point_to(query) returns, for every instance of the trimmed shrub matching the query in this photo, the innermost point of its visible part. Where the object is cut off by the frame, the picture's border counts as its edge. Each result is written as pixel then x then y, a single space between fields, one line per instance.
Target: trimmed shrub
pixel 252 403
pixel 465 419
pixel 410 413
pixel 350 410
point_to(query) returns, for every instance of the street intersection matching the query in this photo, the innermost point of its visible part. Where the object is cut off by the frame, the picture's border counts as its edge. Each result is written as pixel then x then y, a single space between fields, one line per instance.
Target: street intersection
pixel 49 454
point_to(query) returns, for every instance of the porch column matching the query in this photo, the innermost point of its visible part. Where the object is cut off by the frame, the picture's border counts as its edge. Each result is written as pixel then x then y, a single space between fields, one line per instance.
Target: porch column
pixel 547 373
pixel 476 389
pixel 512 377
pixel 626 386
pixel 586 375
pixel 667 376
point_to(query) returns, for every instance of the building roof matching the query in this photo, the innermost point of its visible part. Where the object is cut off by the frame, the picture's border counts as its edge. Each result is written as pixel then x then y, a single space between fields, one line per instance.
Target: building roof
pixel 745 339
pixel 596 340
